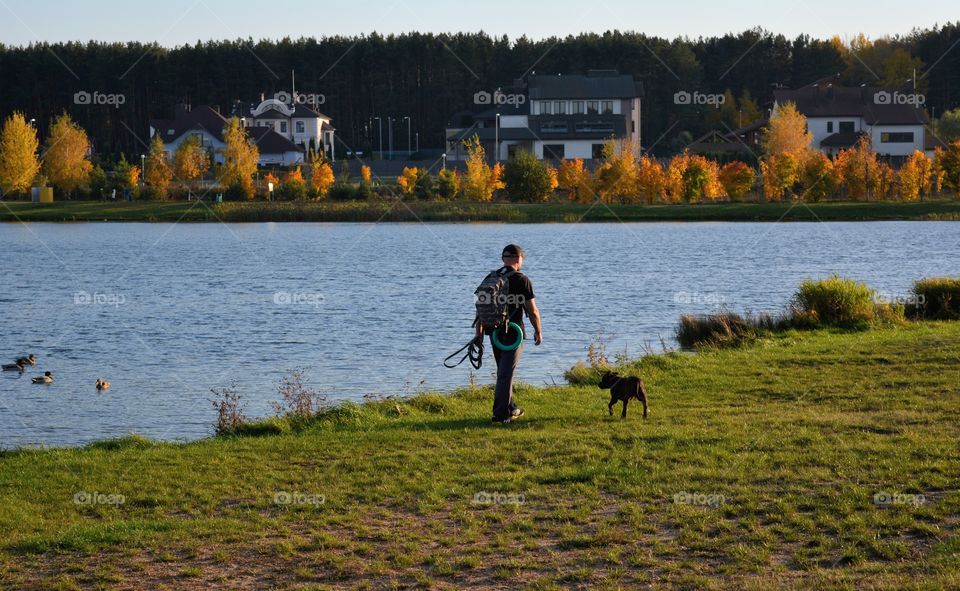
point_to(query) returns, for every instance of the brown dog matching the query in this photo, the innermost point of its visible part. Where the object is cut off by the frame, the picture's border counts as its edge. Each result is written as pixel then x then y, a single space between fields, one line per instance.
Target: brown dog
pixel 624 388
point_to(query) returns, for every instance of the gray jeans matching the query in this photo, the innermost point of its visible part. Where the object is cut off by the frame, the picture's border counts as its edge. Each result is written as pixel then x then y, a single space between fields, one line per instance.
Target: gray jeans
pixel 507 362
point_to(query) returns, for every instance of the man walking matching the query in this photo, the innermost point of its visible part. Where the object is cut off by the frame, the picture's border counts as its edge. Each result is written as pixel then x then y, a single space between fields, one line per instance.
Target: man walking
pixel 521 299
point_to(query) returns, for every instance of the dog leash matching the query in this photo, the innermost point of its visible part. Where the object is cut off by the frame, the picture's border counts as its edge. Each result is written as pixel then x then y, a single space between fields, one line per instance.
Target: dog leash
pixel 474 352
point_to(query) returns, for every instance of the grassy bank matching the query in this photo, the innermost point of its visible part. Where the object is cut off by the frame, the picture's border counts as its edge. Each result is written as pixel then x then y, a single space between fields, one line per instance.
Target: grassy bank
pixel 471 212
pixel 757 469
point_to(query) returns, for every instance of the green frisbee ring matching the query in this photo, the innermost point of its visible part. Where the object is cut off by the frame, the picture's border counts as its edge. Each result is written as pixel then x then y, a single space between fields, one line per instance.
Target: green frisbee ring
pixel 511 346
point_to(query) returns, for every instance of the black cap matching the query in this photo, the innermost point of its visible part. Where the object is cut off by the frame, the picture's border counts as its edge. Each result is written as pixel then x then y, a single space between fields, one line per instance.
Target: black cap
pixel 512 249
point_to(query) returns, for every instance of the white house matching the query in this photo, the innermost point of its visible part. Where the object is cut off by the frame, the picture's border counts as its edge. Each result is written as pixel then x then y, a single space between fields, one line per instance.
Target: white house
pixel 293 120
pixel 207 125
pixel 554 117
pixel 838 116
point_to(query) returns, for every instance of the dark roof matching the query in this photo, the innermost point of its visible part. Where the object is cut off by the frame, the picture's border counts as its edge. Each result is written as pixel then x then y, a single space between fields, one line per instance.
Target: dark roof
pixel 207 119
pixel 830 100
pixel 597 84
pixel 199 118
pixel 270 142
pixel 843 139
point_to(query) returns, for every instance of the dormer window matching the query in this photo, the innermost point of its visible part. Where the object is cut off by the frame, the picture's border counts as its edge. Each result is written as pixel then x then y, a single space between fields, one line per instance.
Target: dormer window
pixel 301 128
pixel 283 127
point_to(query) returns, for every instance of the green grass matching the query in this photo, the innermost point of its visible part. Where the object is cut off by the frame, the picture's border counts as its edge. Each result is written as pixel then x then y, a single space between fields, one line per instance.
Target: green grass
pixel 781 445
pixel 471 212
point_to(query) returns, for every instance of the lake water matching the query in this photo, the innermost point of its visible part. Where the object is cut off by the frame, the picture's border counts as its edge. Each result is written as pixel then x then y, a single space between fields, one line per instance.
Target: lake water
pixel 168 311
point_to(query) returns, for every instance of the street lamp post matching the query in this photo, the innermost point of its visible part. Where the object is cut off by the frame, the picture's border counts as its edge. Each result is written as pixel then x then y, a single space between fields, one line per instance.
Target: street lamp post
pixel 409 152
pixel 143 171
pixel 496 139
pixel 418 141
pixel 444 160
pixel 390 121
pixel 380 126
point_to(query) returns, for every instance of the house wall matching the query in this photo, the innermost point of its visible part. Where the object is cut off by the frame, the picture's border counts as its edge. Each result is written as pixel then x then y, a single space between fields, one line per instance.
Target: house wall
pixel 818 127
pixel 212 144
pixel 572 149
pixel 897 149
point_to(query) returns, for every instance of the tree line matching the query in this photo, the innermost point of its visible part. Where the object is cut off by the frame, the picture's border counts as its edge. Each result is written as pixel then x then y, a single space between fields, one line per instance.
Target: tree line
pixel 428 77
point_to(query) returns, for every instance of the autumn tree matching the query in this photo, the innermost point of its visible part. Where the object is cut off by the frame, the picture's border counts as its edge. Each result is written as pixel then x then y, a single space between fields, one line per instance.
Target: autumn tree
pixel 749 110
pixel 480 181
pixel 66 159
pixel 18 154
pixel 321 177
pixel 737 179
pixel 650 179
pixel 948 126
pixel 615 179
pixel 948 167
pixel 787 133
pixel 573 180
pixel 158 173
pixel 407 181
pixel 779 172
pixel 817 178
pixel 240 157
pixel 859 169
pixel 190 161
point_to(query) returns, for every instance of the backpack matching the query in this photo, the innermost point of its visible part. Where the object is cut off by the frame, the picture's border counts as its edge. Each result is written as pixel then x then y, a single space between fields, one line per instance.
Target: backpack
pixel 491 300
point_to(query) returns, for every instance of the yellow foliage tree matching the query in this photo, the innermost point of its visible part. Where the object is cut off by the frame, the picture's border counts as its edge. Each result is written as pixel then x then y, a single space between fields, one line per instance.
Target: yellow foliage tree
pixel 616 177
pixel 18 154
pixel 66 159
pixel 321 177
pixel 574 181
pixel 366 175
pixel 190 161
pixel 495 180
pixel 859 169
pixel 407 181
pixel 673 178
pixel 158 173
pixel 787 133
pixel 650 179
pixel 780 173
pixel 240 157
pixel 554 180
pixel 916 177
pixel 478 182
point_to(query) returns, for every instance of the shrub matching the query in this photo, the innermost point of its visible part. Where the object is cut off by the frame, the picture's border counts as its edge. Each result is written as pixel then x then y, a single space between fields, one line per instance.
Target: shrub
pixel 448 184
pixel 724 329
pixel 229 409
pixel 938 298
pixel 527 178
pixel 834 301
pixel 297 399
pixel 343 191
pixel 424 188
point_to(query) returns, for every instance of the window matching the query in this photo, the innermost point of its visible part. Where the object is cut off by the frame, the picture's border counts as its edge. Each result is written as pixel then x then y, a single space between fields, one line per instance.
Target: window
pixel 553 151
pixel 559 107
pixel 577 108
pixel 595 127
pixel 847 127
pixel 896 137
pixel 545 108
pixel 283 127
pixel 596 151
pixel 607 107
pixel 554 127
pixel 592 107
pixel 829 126
pixel 301 127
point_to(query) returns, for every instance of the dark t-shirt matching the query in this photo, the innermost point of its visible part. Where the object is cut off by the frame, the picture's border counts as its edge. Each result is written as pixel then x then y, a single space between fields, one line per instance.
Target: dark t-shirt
pixel 521 290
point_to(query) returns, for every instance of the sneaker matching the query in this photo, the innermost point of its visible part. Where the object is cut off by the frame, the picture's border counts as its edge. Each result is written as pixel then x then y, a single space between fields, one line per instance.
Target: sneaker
pixel 516 413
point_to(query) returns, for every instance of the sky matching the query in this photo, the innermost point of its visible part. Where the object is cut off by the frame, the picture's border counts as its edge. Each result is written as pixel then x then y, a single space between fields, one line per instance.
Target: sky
pixel 175 22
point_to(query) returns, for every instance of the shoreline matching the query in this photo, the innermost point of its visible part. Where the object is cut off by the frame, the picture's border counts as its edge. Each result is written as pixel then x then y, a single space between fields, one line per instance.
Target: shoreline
pixel 368 491
pixel 471 212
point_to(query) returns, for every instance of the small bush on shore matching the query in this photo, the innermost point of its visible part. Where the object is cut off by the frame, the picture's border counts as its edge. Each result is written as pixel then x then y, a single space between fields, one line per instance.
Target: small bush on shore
pixel 835 301
pixel 725 329
pixel 937 298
